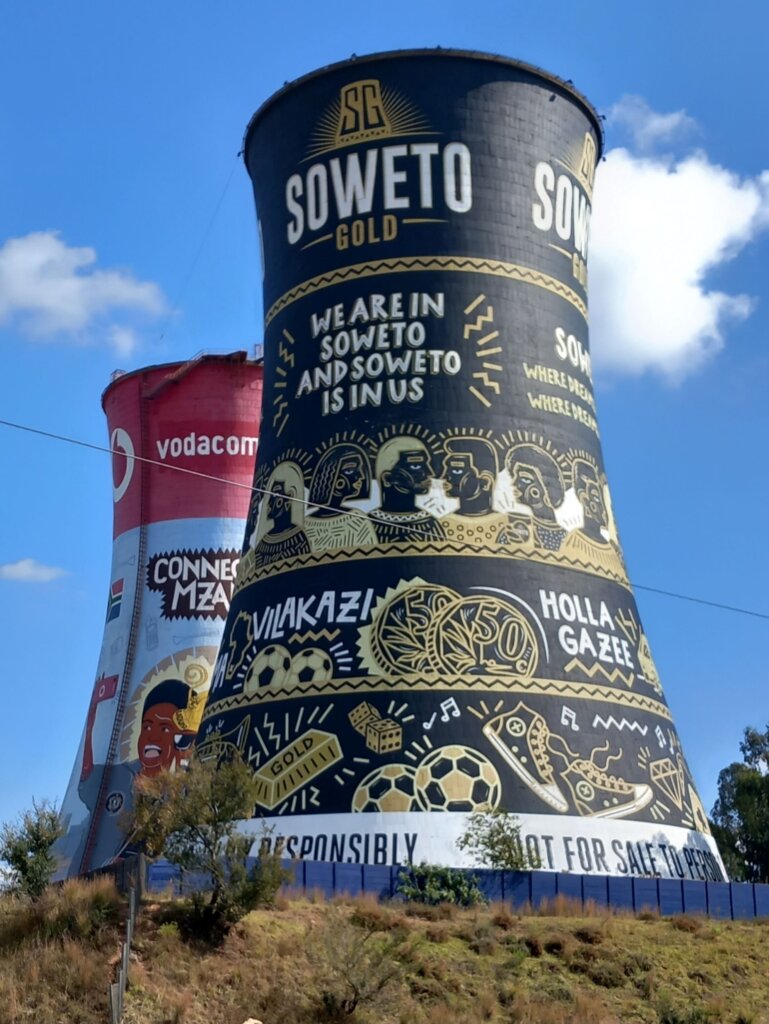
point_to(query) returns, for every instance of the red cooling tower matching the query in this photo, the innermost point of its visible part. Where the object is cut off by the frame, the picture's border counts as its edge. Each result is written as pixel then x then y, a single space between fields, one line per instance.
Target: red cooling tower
pixel 184 437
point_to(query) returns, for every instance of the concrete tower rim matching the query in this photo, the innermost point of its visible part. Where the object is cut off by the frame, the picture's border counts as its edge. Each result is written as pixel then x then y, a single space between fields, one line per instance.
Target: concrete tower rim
pixel 547 77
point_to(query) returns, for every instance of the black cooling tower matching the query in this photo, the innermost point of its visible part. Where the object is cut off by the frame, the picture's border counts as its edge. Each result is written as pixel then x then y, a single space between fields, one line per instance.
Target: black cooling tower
pixel 433 614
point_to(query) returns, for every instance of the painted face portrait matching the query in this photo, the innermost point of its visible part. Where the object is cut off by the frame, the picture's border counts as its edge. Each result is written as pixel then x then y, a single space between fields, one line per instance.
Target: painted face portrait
pixel 278 503
pixel 590 492
pixel 350 479
pixel 528 487
pixel 412 472
pixel 536 478
pixel 592 499
pixel 163 744
pixel 459 475
pixel 342 473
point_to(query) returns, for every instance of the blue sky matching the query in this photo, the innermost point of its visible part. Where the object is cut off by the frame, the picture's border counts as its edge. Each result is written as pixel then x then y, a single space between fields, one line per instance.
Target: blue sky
pixel 127 237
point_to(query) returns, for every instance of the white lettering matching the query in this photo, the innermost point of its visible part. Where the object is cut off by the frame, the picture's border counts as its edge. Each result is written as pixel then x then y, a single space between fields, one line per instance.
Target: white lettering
pixel 357 179
pixel 317 197
pixel 351 193
pixel 424 152
pixel 392 177
pixel 457 178
pixel 202 444
pixel 294 189
pixel 544 183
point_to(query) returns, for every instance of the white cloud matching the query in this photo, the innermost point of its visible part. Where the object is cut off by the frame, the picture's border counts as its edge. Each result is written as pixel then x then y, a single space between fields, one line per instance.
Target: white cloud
pixel 27 570
pixel 49 289
pixel 660 226
pixel 123 340
pixel 646 127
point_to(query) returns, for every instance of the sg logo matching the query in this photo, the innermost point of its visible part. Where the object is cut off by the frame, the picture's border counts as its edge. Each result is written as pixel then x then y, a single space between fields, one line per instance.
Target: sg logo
pixel 362 108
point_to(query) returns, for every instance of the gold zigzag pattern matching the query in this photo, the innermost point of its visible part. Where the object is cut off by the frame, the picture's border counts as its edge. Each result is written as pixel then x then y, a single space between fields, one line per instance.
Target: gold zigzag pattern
pixel 370 684
pixel 311 634
pixel 591 672
pixel 462 264
pixel 332 555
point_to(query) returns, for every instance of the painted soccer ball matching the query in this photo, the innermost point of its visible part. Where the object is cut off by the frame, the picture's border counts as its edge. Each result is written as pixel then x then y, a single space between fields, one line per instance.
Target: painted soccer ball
pixel 270 667
pixel 390 788
pixel 455 778
pixel 312 665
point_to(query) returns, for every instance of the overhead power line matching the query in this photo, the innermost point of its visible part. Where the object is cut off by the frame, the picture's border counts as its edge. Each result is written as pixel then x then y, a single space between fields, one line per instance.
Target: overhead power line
pixel 198 252
pixel 701 600
pixel 303 501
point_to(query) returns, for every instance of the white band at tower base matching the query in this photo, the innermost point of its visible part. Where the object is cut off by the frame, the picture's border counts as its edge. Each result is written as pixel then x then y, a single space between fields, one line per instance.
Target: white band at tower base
pixel 589 847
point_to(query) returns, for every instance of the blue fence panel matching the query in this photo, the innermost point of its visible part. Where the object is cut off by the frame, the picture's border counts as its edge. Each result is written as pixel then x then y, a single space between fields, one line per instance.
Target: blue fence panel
pixel 516 887
pixel 194 881
pixel 743 905
pixel 161 875
pixel 761 895
pixel 542 887
pixel 395 874
pixel 569 886
pixel 695 896
pixel 348 878
pixel 595 888
pixel 490 883
pixel 719 899
pixel 319 875
pixel 296 869
pixel 377 881
pixel 621 893
pixel 671 896
pixel 645 895
pixel 519 888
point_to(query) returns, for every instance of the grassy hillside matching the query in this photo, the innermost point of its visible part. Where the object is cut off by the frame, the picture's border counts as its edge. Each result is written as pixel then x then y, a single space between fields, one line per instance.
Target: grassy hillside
pixel 308 962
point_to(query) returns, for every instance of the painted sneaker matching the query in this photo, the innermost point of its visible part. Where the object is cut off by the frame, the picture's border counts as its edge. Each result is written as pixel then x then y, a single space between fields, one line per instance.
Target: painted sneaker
pixel 598 794
pixel 521 736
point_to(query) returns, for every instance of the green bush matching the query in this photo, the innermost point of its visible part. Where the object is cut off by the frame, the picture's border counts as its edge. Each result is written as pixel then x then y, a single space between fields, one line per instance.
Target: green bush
pixel 243 890
pixel 191 818
pixel 26 846
pixel 355 968
pixel 493 840
pixel 427 883
pixel 669 1012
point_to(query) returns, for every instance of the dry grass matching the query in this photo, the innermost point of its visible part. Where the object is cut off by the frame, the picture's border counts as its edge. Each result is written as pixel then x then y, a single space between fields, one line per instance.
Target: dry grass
pixel 310 961
pixel 55 954
pixel 457 967
pixel 80 910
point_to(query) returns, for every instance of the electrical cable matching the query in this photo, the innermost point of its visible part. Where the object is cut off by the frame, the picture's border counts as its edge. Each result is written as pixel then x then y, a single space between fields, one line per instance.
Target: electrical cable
pixel 303 501
pixel 701 600
pixel 188 276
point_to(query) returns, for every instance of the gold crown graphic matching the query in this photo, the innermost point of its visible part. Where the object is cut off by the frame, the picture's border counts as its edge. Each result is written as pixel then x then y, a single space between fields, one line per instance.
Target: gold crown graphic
pixel 188 719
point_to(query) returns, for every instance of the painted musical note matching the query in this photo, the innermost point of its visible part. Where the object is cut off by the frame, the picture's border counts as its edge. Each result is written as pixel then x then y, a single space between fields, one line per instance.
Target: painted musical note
pixel 449 705
pixel 429 723
pixel 660 736
pixel 568 717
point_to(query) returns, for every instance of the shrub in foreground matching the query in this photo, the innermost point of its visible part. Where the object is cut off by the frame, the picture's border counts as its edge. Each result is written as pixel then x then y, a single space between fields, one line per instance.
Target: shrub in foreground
pixel 353 966
pixel 430 884
pixel 493 840
pixel 26 846
pixel 191 818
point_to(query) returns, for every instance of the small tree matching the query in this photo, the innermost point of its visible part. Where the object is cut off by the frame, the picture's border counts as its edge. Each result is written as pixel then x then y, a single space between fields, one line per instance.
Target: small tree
pixel 740 815
pixel 191 817
pixel 26 846
pixel 493 840
pixel 353 967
